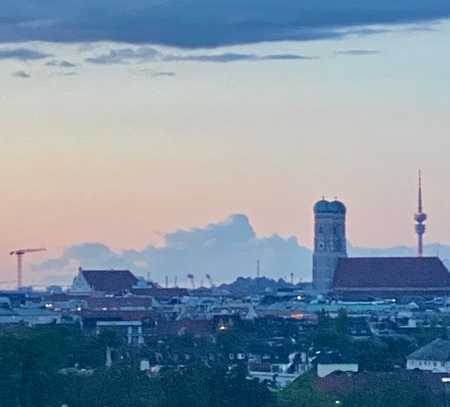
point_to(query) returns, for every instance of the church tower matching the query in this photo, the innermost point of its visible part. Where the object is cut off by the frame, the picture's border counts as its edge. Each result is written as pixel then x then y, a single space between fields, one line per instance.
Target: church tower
pixel 329 241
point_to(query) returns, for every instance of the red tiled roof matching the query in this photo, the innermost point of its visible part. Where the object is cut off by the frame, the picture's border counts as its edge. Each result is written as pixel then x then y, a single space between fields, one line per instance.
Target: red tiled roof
pixel 110 280
pixel 391 272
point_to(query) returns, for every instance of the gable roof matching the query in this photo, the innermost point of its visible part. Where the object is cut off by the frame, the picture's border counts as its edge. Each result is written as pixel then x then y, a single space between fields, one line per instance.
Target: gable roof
pixel 438 350
pixel 391 272
pixel 109 280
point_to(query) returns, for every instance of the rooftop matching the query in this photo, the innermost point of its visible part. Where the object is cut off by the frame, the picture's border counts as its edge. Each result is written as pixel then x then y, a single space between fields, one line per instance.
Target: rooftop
pixel 391 272
pixel 438 350
pixel 109 280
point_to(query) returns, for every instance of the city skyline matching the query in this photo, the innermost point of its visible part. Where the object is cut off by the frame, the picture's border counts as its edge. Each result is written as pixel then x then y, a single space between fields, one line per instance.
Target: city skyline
pixel 224 203
pixel 263 129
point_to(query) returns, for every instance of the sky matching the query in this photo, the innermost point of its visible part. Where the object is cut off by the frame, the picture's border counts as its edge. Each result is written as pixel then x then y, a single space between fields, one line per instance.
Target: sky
pixel 123 124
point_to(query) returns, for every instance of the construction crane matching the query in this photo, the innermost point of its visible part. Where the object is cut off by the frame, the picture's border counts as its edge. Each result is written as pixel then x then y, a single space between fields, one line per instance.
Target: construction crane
pixel 192 279
pixel 210 280
pixel 19 253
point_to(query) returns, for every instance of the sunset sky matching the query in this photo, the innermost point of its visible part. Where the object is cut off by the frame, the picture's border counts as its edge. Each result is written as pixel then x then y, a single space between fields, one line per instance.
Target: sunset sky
pixel 120 143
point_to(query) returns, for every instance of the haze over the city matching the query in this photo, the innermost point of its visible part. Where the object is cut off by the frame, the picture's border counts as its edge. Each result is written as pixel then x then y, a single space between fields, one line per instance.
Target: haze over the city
pixel 143 134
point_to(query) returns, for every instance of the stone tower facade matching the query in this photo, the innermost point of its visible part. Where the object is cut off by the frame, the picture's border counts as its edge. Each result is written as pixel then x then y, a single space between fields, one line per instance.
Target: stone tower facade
pixel 329 241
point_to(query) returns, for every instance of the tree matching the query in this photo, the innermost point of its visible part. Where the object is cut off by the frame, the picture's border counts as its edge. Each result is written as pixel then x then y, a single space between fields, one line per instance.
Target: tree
pixel 342 322
pixel 303 393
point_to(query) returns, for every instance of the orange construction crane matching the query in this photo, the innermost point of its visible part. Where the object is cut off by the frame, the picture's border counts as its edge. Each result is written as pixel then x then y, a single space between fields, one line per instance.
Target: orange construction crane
pixel 19 253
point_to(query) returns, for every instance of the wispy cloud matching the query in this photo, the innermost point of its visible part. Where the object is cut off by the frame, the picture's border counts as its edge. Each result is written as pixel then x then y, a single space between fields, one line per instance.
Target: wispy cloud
pixel 21 74
pixel 148 54
pixel 234 57
pixel 125 55
pixel 162 74
pixel 22 54
pixel 357 52
pixel 61 64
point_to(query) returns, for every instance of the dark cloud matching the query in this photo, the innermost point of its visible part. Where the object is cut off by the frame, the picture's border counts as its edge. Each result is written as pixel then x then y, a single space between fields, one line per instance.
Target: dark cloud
pixel 21 74
pixel 203 23
pixel 125 55
pixel 61 64
pixel 147 54
pixel 22 54
pixel 357 52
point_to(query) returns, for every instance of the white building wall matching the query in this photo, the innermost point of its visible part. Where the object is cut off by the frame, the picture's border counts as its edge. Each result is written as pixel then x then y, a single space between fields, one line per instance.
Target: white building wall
pixel 428 365
pixel 80 285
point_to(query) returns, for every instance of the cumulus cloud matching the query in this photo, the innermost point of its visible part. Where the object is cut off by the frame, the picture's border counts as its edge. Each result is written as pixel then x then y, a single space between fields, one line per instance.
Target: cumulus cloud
pixel 225 250
pixel 22 54
pixel 199 23
pixel 21 74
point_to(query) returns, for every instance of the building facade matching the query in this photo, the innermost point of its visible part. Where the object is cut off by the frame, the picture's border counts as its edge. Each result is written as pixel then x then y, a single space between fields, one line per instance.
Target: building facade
pixel 433 357
pixel 329 241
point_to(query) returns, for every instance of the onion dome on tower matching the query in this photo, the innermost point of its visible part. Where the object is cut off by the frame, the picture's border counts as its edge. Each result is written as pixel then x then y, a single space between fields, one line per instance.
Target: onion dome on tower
pixel 324 206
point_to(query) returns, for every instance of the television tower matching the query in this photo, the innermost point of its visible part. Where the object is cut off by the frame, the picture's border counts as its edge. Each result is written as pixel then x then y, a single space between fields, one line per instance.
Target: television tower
pixel 420 217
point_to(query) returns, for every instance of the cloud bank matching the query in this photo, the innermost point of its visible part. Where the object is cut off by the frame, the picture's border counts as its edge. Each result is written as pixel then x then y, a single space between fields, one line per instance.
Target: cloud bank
pixel 202 23
pixel 224 250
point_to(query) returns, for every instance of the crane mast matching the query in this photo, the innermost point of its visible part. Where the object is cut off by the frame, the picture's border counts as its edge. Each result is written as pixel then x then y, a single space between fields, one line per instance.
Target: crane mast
pixel 19 253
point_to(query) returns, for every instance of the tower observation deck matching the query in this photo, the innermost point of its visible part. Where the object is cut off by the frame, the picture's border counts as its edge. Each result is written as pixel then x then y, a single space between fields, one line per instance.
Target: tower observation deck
pixel 420 217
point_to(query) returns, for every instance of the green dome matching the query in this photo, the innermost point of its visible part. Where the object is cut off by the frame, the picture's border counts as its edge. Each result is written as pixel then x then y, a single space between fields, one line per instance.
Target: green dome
pixel 324 206
pixel 338 207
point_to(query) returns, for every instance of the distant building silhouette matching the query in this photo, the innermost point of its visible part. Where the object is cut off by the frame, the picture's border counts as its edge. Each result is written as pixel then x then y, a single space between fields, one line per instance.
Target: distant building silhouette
pixel 390 277
pixel 329 241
